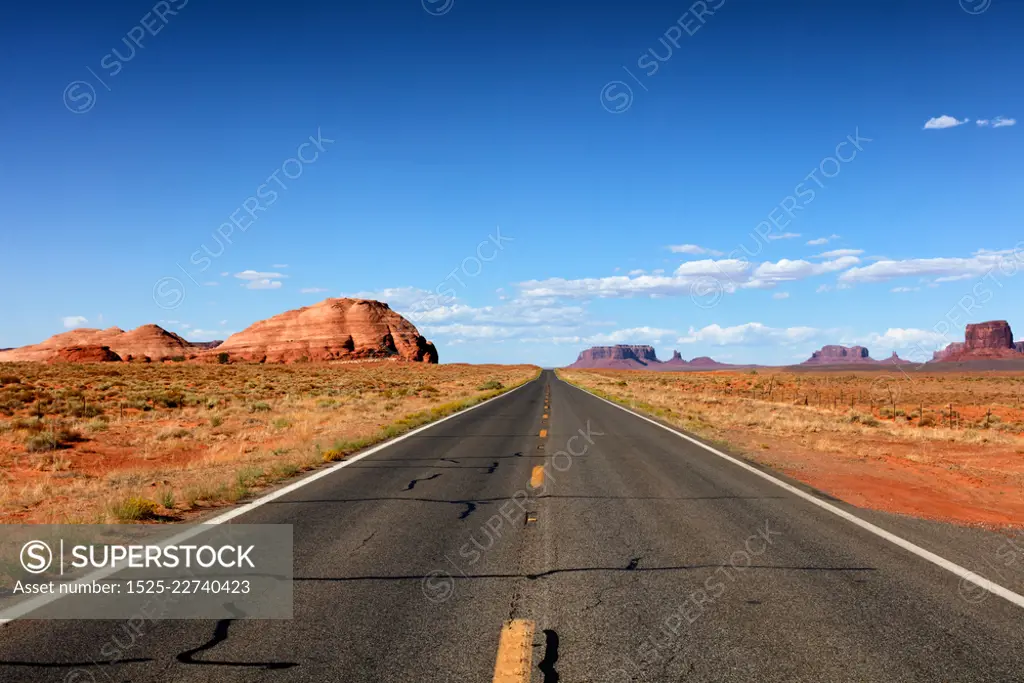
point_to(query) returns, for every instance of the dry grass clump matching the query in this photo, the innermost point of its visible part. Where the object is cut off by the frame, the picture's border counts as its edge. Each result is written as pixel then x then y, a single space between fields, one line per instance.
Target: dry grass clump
pixel 87 443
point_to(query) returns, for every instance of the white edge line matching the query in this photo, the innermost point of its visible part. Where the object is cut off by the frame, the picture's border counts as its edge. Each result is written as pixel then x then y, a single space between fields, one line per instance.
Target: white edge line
pixel 962 572
pixel 22 608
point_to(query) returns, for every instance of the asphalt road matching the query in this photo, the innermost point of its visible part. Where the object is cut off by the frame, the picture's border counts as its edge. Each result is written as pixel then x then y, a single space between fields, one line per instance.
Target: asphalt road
pixel 637 556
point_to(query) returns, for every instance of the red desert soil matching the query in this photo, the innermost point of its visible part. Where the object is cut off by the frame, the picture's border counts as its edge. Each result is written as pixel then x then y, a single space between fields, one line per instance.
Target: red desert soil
pixel 971 472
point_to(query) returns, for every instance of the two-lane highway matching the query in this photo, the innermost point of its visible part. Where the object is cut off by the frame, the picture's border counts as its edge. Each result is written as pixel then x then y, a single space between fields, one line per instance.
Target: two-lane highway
pixel 548 535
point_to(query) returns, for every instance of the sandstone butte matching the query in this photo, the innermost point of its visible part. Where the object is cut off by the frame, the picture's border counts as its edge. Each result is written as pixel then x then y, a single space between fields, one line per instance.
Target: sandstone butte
pixel 833 354
pixel 148 342
pixel 987 340
pixel 334 329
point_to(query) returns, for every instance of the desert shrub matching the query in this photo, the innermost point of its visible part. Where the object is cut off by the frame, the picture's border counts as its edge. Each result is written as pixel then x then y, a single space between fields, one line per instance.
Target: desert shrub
pixel 172 433
pixel 223 358
pixel 9 379
pixel 216 421
pixel 167 498
pixel 84 410
pixel 168 399
pixel 260 407
pixel 490 385
pixel 926 421
pixel 281 423
pixel 43 441
pixel 133 509
pixel 97 425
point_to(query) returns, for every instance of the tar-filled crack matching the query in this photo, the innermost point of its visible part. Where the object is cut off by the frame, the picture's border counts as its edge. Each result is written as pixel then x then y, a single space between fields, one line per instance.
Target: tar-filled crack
pixel 632 564
pixel 449 460
pixel 490 470
pixel 220 634
pixel 547 665
pixel 413 483
pixel 470 508
pixel 365 541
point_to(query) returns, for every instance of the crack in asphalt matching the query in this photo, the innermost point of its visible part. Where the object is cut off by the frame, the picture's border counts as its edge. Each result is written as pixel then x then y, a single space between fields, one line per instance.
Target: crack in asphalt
pixel 220 635
pixel 365 541
pixel 413 483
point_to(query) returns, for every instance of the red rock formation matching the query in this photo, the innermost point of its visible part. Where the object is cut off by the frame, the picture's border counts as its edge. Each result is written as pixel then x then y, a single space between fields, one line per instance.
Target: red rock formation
pixel 847 355
pixel 334 329
pixel 149 341
pixel 84 354
pixel 676 360
pixel 621 356
pixel 625 357
pixel 833 355
pixel 992 339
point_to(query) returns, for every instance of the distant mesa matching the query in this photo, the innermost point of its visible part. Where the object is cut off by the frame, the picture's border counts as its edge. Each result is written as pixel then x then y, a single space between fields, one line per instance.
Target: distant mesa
pixel 641 357
pixel 833 354
pixel 992 340
pixel 334 329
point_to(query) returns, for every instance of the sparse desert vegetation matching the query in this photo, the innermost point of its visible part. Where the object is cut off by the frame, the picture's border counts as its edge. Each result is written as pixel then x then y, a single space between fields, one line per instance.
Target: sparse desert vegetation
pixel 135 442
pixel 940 445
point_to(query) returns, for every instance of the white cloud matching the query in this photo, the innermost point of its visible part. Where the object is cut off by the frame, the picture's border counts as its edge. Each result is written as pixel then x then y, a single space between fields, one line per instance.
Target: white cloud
pixel 312 290
pixel 279 265
pixel 748 334
pixel 981 263
pixel 780 295
pixel 896 338
pixel 982 122
pixel 638 271
pixel 727 267
pixel 836 253
pixel 259 280
pixel 954 278
pixel 639 335
pixel 222 323
pixel 1000 122
pixel 903 290
pixel 944 121
pixel 263 284
pixel 692 249
pixel 257 275
pixel 823 288
pixel 72 321
pixel 725 275
pixel 785 269
pixel 784 236
pixel 822 240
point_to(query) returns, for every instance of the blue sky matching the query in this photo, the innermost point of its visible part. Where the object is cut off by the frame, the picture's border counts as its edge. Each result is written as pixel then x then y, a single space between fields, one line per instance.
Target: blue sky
pixel 644 170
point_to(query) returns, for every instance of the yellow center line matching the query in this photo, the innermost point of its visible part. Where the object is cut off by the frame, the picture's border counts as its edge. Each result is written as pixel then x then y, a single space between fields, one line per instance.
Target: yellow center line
pixel 515 653
pixel 543 433
pixel 537 477
pixel 545 416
